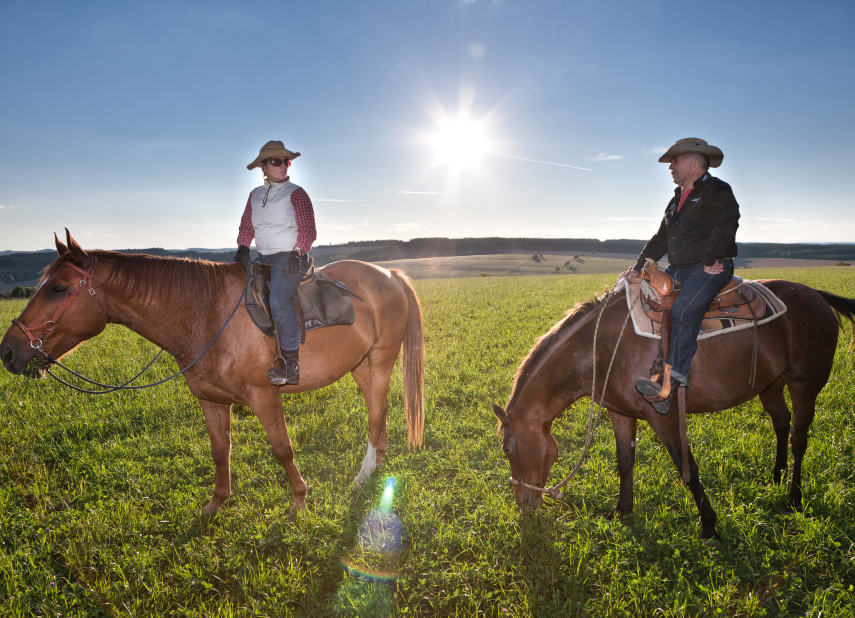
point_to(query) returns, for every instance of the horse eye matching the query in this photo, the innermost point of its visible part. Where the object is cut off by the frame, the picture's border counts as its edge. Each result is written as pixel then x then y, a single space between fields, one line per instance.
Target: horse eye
pixel 58 289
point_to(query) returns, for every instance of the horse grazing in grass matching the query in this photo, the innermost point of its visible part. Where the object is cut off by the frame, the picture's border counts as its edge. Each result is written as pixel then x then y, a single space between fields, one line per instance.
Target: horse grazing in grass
pixel 795 350
pixel 180 304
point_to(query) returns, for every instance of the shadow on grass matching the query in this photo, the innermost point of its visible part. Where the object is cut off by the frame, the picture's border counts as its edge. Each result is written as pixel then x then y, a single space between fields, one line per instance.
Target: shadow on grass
pixel 552 588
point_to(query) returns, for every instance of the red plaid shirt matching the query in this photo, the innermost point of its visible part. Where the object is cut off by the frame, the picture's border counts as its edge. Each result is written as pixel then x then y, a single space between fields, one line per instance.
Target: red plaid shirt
pixel 306 232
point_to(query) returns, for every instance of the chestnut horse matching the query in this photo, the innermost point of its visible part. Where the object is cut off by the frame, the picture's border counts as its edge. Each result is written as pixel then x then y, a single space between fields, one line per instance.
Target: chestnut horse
pixel 180 304
pixel 795 350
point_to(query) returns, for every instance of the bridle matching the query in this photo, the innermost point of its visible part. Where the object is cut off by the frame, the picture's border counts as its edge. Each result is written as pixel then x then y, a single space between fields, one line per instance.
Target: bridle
pixel 555 491
pixel 37 343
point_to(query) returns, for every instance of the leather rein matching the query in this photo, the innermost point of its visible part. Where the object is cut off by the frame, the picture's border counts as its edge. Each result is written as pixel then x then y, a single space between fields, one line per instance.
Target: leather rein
pixel 37 343
pixel 555 491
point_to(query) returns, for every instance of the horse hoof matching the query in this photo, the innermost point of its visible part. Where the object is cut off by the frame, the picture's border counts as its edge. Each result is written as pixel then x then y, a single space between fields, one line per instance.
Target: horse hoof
pixel 298 505
pixel 710 535
pixel 361 478
pixel 610 515
pixel 212 507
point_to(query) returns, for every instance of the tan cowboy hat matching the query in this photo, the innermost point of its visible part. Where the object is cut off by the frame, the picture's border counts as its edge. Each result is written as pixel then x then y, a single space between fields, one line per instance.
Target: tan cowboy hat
pixel 273 148
pixel 693 144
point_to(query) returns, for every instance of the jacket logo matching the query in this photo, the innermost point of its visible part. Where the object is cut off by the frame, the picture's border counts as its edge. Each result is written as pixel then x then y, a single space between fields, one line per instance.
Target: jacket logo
pixel 696 200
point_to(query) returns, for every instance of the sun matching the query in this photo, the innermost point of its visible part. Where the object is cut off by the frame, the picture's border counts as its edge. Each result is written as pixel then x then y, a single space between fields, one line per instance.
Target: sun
pixel 459 143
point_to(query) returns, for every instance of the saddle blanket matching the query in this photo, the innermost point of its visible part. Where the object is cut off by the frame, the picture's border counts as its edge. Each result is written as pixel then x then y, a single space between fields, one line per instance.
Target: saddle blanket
pixel 647 327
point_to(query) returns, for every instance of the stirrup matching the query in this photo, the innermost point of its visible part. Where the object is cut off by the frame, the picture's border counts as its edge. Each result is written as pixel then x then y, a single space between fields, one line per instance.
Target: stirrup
pixel 657 395
pixel 289 374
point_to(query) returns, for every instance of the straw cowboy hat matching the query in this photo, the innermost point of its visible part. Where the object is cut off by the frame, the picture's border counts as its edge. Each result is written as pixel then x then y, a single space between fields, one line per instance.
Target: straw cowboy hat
pixel 693 144
pixel 274 148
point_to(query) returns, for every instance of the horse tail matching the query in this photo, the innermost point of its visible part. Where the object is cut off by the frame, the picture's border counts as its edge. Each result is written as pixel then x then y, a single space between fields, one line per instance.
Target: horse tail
pixel 413 362
pixel 842 307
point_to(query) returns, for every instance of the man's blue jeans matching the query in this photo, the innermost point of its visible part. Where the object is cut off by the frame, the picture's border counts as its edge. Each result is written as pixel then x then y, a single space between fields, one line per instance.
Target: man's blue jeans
pixel 282 290
pixel 697 292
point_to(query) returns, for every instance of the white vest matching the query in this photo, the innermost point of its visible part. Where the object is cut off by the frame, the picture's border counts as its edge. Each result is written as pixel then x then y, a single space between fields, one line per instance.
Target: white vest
pixel 275 222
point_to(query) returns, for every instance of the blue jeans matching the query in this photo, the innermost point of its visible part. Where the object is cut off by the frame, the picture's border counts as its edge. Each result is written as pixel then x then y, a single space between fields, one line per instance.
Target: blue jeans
pixel 697 292
pixel 282 290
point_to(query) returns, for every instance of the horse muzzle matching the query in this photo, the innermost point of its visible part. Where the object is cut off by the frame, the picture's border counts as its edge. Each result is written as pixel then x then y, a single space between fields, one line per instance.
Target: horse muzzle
pixel 20 358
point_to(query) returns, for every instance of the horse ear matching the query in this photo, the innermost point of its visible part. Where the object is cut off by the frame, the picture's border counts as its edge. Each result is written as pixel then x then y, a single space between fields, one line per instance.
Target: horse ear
pixel 76 250
pixel 500 414
pixel 61 249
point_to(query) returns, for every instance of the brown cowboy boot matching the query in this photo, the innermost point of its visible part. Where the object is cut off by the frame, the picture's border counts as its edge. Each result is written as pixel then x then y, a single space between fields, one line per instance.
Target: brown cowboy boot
pixel 658 394
pixel 289 373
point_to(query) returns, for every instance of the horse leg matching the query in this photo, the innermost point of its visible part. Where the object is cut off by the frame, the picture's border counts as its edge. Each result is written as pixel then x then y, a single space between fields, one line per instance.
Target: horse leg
pixel 373 376
pixel 219 420
pixel 625 431
pixel 804 408
pixel 776 407
pixel 667 428
pixel 268 409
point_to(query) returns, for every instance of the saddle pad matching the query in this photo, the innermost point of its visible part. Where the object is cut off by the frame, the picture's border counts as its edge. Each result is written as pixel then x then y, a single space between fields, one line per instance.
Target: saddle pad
pixel 647 327
pixel 320 301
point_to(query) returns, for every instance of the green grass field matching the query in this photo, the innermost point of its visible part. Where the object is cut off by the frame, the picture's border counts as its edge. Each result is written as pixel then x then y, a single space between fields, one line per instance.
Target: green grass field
pixel 100 498
pixel 506 265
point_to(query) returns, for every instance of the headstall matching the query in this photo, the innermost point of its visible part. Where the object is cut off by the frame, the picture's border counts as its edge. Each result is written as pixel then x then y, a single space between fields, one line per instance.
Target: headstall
pixel 86 282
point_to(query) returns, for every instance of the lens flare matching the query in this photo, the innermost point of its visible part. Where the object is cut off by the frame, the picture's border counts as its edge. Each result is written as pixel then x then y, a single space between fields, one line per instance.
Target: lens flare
pixel 375 556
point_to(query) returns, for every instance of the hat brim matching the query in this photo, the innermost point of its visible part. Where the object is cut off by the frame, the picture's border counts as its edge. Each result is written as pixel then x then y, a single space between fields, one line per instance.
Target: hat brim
pixel 715 155
pixel 271 153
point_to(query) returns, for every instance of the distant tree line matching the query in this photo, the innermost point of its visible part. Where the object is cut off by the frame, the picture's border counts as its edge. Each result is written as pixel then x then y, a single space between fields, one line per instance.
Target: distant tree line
pixel 24 266
pixel 18 292
pixel 18 267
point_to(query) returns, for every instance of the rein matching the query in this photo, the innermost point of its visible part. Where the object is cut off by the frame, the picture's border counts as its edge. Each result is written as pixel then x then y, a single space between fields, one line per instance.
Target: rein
pixel 555 491
pixel 37 344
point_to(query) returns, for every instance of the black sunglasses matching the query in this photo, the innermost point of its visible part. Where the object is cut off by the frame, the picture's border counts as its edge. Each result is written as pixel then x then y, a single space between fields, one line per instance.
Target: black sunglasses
pixel 276 162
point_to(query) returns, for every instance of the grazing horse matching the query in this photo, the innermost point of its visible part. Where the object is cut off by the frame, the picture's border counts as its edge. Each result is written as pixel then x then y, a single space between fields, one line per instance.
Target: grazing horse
pixel 180 304
pixel 795 350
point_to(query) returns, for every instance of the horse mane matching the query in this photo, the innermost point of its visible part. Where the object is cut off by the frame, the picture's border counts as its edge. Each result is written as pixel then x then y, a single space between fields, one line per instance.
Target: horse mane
pixel 152 278
pixel 545 343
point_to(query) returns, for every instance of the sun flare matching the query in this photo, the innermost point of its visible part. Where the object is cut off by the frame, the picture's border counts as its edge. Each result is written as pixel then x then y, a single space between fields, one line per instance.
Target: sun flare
pixel 459 143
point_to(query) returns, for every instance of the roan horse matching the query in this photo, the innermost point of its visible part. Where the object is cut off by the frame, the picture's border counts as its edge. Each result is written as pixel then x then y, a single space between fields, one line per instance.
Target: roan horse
pixel 795 350
pixel 180 304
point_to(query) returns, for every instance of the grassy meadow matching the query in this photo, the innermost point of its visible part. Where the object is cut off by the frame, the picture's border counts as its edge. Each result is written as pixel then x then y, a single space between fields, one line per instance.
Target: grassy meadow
pixel 506 265
pixel 100 497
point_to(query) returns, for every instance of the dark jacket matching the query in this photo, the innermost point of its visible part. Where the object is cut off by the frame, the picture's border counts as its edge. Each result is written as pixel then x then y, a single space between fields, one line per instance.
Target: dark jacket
pixel 703 231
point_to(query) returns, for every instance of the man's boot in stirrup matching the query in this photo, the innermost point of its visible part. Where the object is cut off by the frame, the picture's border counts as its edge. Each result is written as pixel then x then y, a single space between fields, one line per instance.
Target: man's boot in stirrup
pixel 658 395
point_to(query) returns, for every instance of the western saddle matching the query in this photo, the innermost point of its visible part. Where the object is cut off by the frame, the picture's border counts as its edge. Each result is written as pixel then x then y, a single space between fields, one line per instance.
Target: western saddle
pixel 737 300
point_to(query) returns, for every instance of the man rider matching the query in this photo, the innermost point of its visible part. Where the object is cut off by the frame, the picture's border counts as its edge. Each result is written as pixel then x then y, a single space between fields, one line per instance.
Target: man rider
pixel 279 215
pixel 698 233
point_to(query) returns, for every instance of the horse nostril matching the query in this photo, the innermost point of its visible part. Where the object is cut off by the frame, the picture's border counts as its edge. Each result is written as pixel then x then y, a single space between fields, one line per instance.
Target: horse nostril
pixel 8 356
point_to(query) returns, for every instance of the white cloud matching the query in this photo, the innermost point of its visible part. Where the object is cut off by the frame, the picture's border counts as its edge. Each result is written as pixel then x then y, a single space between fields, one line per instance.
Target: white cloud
pixel 87 233
pixel 406 228
pixel 1 206
pixel 429 193
pixel 606 157
pixel 654 150
pixel 335 227
pixel 629 219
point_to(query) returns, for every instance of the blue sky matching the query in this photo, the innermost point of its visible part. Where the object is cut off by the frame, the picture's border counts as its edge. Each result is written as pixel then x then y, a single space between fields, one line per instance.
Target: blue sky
pixel 132 123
